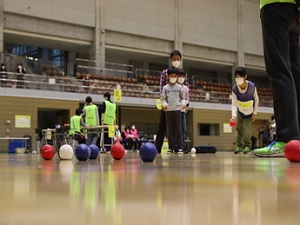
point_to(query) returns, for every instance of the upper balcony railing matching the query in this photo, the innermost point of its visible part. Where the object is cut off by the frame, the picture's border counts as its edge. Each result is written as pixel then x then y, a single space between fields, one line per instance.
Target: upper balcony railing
pixel 131 87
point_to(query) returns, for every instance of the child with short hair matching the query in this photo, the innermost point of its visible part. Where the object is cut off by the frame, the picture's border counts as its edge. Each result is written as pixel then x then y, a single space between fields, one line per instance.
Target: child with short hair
pixel 244 108
pixel 76 122
pixel 173 102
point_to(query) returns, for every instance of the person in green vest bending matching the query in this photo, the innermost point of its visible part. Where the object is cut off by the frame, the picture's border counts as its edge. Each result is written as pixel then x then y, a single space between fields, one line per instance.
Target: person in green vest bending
pixel 76 122
pixel 108 115
pixel 91 114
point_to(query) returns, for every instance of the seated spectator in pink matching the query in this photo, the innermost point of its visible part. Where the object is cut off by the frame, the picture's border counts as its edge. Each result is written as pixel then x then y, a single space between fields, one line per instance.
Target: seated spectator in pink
pixel 136 139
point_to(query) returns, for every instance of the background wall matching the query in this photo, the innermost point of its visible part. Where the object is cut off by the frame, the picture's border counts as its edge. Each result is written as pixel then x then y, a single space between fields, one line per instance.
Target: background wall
pixel 12 106
pixel 69 11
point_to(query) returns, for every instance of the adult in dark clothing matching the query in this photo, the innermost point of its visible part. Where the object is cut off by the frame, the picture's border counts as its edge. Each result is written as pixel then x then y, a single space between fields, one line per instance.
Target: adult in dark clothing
pixel 3 74
pixel 20 75
pixel 175 59
pixel 280 21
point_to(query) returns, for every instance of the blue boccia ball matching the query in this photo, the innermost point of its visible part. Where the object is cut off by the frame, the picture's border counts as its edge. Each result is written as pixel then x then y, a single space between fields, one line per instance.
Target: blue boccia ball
pixel 94 151
pixel 148 152
pixel 82 152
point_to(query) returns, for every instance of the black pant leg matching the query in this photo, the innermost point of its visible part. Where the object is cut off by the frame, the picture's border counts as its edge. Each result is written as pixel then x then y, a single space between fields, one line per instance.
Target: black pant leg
pixel 161 131
pixel 278 23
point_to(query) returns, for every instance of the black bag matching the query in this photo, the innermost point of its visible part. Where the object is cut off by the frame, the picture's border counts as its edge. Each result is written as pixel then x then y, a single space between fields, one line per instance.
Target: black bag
pixel 205 149
pixel 80 138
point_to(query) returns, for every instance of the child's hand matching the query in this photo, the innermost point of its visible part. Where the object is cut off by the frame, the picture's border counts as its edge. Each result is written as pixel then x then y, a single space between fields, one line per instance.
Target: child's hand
pixel 165 107
pixel 183 107
pixel 186 109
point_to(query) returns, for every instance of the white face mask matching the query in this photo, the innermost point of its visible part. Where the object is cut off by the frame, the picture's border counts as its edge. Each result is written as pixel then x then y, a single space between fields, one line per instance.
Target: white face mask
pixel 176 64
pixel 239 80
pixel 133 127
pixel 180 80
pixel 173 80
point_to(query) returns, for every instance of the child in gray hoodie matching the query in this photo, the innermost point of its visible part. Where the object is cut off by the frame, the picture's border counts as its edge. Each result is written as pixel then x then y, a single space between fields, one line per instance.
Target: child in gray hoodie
pixel 173 102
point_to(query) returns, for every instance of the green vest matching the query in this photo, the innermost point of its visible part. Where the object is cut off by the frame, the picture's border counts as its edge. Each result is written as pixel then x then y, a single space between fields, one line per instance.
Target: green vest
pixel 266 2
pixel 75 124
pixel 91 115
pixel 110 113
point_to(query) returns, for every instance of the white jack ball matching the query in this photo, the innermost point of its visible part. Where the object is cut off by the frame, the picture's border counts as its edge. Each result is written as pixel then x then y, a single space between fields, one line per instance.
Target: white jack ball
pixel 193 150
pixel 65 152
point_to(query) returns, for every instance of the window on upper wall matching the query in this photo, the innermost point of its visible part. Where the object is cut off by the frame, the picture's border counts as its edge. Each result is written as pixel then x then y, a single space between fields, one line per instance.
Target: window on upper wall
pixel 208 129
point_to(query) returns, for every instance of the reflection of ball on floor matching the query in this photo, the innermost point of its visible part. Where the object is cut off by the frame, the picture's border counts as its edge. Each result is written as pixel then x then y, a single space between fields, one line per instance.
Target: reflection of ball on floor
pixel 148 152
pixel 47 152
pixel 94 151
pixel 117 150
pixel 193 151
pixel 292 151
pixel 65 152
pixel 82 152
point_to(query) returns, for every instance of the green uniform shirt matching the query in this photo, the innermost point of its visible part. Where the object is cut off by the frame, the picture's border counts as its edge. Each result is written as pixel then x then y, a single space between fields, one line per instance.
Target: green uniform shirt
pixel 110 113
pixel 75 124
pixel 266 2
pixel 91 115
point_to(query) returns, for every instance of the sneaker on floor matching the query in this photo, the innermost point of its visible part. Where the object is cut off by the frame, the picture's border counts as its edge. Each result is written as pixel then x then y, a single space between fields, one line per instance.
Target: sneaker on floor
pixel 170 151
pixel 180 151
pixel 246 150
pixel 238 150
pixel 275 149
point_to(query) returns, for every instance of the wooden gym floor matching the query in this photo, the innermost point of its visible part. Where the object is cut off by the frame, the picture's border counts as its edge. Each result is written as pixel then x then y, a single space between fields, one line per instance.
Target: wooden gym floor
pixel 208 189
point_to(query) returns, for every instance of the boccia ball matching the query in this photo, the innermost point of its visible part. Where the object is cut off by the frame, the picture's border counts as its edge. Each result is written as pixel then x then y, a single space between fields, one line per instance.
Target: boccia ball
pixel 148 152
pixel 292 151
pixel 47 152
pixel 82 152
pixel 94 151
pixel 65 152
pixel 193 151
pixel 117 150
pixel 232 123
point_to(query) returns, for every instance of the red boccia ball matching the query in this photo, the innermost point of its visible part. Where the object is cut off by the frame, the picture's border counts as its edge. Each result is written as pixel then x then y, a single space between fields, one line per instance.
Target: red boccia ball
pixel 232 123
pixel 47 152
pixel 292 151
pixel 117 151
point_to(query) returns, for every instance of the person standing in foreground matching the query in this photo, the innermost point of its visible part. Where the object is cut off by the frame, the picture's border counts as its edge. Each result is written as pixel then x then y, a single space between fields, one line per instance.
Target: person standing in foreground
pixel 175 58
pixel 280 21
pixel 173 102
pixel 244 108
pixel 91 114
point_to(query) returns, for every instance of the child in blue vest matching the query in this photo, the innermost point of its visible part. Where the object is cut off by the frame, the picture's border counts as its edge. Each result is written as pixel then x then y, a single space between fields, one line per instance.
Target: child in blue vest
pixel 244 108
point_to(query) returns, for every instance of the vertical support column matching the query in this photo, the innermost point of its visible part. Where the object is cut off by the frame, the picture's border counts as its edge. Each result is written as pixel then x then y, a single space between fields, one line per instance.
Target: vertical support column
pixel 71 63
pixel 240 61
pixel 178 25
pixel 97 51
pixel 1 26
pixel 240 56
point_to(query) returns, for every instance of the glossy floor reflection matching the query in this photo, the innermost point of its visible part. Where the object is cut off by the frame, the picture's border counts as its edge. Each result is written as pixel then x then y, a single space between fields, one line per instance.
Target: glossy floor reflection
pixel 220 188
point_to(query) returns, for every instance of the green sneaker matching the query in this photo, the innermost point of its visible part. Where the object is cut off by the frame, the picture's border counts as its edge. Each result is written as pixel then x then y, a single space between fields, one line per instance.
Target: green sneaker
pixel 275 149
pixel 246 150
pixel 238 150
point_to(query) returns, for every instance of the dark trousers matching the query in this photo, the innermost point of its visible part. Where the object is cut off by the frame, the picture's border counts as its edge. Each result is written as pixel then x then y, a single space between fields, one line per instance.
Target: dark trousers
pixel 161 131
pixel 174 128
pixel 282 58
pixel 183 124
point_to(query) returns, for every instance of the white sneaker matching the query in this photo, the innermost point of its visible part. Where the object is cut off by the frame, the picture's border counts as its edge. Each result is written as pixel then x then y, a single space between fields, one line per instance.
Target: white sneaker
pixel 180 151
pixel 170 151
